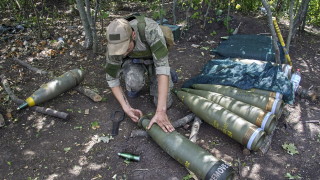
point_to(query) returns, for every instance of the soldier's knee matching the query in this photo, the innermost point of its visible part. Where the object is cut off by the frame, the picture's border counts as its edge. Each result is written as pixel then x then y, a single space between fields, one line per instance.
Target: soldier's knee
pixel 134 78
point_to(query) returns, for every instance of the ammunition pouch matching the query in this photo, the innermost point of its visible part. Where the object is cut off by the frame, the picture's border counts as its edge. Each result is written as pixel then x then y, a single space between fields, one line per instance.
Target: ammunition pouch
pixel 141 54
pixel 113 69
pixel 159 50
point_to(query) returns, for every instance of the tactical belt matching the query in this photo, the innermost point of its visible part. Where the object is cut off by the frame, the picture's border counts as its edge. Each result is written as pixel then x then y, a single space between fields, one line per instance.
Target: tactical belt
pixel 141 61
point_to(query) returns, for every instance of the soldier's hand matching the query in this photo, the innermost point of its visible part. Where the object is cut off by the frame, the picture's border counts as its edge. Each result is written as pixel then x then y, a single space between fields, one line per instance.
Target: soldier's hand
pixel 134 114
pixel 162 120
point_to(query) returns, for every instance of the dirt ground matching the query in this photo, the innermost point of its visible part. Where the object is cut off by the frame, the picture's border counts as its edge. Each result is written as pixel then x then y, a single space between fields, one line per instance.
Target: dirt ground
pixel 36 146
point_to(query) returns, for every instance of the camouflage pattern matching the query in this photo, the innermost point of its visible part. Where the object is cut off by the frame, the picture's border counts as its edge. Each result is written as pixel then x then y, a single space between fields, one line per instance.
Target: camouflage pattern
pixel 134 74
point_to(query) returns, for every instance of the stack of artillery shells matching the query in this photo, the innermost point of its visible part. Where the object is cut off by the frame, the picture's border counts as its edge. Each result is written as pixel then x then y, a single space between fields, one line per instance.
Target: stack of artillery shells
pixel 244 115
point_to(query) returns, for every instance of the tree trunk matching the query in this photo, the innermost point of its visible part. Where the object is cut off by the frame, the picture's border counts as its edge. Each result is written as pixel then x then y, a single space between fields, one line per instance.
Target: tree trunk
pixel 228 14
pixel 206 15
pixel 92 23
pixel 291 24
pixel 37 19
pixel 188 13
pixel 273 32
pixel 304 20
pixel 86 25
pixel 94 30
pixel 161 12
pixel 300 16
pixel 174 11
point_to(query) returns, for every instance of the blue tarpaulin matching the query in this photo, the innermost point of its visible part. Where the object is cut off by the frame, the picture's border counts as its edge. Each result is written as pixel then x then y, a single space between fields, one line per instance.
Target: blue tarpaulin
pixel 249 46
pixel 245 76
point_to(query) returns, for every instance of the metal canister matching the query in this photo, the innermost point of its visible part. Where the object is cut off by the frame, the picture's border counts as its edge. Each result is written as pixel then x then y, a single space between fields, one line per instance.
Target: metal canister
pixel 54 88
pixel 224 120
pixel 264 102
pixel 265 120
pixel 188 154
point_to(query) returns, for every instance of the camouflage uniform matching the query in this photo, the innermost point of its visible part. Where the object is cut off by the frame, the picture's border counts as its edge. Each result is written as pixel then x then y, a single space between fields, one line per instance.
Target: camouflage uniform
pixel 134 73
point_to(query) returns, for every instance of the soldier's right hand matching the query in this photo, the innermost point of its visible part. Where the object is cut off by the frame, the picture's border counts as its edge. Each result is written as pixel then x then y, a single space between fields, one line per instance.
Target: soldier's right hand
pixel 134 114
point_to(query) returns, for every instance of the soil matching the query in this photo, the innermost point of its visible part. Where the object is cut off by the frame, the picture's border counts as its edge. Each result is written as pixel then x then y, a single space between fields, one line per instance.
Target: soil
pixel 37 146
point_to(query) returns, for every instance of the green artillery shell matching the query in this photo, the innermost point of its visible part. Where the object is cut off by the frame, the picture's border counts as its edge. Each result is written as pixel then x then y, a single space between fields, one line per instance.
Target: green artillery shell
pixel 265 120
pixel 190 155
pixel 129 156
pixel 266 103
pixel 275 95
pixel 55 87
pixel 224 120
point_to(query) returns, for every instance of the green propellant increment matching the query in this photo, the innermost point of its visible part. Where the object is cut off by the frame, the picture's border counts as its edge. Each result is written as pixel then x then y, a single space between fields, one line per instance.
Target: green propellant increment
pixel 190 155
pixel 129 156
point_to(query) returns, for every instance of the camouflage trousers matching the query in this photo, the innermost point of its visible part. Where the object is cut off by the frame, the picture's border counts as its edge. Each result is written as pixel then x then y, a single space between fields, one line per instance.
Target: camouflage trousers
pixel 135 74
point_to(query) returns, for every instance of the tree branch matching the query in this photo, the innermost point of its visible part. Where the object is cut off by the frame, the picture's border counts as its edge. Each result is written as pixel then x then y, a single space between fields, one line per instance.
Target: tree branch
pixel 85 23
pixel 273 32
pixel 291 24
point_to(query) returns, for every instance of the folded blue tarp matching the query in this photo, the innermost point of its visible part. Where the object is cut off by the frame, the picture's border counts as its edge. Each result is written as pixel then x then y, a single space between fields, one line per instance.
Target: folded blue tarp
pixel 251 46
pixel 245 76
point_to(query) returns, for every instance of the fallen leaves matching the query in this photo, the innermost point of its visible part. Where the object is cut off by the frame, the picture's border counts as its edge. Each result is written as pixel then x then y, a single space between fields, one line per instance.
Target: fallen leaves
pixel 95 125
pixel 289 176
pixel 67 149
pixel 290 148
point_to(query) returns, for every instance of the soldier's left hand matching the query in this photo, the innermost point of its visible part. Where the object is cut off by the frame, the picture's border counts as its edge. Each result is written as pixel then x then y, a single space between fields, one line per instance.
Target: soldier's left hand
pixel 162 120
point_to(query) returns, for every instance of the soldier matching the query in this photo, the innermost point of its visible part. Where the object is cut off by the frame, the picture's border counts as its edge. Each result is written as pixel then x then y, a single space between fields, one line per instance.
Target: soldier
pixel 136 46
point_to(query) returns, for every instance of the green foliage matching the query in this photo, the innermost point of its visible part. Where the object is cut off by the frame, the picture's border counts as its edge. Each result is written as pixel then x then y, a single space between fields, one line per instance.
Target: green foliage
pixel 67 149
pixel 195 15
pixel 289 176
pixel 213 33
pixel 104 14
pixel 290 148
pixel 314 12
pixel 95 125
pixel 157 10
pixel 187 177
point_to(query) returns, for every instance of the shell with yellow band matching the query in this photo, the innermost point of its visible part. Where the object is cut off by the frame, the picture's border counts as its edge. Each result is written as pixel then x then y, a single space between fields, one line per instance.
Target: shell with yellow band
pixel 54 88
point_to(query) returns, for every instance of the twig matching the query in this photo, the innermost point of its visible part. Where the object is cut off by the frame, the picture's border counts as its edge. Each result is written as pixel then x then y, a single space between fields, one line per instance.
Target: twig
pixel 273 32
pixel 312 121
pixel 175 124
pixel 206 15
pixel 174 11
pixel 140 170
pixel 2 123
pixel 38 71
pixel 88 92
pixel 183 121
pixel 193 138
pixel 47 111
pixel 267 143
pixel 195 129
